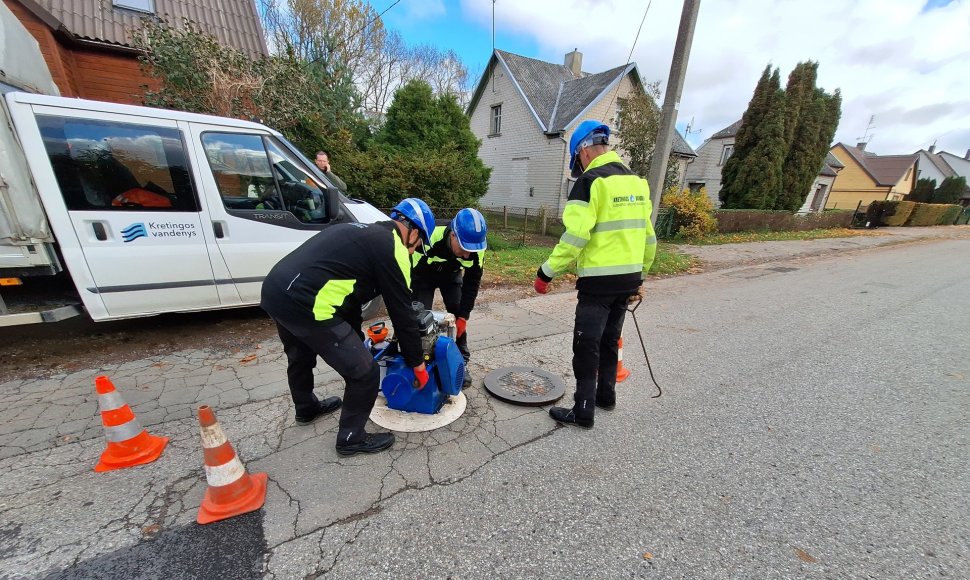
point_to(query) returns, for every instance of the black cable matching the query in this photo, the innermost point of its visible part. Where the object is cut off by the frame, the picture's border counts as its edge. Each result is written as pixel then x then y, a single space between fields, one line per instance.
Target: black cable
pixel 362 28
pixel 630 56
pixel 637 300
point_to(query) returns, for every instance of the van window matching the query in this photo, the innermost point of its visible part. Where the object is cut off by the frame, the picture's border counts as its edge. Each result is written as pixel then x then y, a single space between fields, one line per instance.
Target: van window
pixel 254 172
pixel 103 165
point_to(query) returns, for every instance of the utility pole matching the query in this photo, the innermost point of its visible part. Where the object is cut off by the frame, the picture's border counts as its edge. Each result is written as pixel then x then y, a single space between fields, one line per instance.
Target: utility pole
pixel 668 118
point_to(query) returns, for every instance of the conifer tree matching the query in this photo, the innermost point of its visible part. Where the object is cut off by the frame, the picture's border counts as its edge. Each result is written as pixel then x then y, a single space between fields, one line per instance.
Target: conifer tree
pixel 744 141
pixel 923 192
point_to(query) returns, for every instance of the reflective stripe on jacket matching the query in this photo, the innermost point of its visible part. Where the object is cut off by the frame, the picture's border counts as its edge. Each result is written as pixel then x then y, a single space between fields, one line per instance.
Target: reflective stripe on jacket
pixel 328 278
pixel 439 261
pixel 608 230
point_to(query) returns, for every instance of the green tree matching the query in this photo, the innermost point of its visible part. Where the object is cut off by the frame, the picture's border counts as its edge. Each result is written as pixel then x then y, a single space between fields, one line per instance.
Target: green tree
pixel 636 130
pixel 752 176
pixel 923 192
pixel 426 149
pixel 950 190
pixel 808 116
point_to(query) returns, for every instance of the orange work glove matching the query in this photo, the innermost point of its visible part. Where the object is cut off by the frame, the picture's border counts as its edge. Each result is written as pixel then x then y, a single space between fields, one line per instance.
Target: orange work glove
pixel 420 376
pixel 460 324
pixel 541 286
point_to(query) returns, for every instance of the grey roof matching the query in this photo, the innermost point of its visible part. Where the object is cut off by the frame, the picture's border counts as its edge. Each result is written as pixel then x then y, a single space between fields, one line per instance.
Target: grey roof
pixel 681 147
pixel 729 131
pixel 578 94
pixel 233 23
pixel 833 161
pixel 539 80
pixel 939 162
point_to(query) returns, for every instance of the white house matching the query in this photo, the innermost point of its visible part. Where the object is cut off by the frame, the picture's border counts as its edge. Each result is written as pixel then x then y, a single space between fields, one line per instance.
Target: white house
pixel 524 110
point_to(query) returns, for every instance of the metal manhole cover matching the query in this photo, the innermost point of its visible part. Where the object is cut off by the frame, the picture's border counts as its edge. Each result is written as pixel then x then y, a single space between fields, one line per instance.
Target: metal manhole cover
pixel 525 386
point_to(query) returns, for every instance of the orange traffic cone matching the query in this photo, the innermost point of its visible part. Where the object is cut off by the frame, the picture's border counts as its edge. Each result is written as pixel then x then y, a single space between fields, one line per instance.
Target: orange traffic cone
pixel 621 372
pixel 231 490
pixel 128 443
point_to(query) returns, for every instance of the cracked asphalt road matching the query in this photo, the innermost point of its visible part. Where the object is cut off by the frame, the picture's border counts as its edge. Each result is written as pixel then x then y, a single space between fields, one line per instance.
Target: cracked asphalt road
pixel 810 427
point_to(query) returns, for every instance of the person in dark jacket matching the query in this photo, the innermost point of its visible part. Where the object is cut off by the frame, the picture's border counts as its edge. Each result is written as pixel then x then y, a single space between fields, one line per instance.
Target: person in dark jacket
pixel 453 265
pixel 315 294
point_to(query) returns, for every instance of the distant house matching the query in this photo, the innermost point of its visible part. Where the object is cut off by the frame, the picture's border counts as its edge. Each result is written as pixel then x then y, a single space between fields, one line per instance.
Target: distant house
pixel 525 110
pixel 868 177
pixel 705 171
pixel 87 43
pixel 957 166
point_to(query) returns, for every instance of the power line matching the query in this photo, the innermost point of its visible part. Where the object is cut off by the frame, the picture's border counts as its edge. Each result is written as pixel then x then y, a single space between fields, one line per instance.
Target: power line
pixel 630 56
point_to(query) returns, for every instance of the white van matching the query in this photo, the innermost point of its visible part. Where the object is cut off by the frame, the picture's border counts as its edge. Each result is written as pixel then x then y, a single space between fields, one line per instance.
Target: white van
pixel 150 210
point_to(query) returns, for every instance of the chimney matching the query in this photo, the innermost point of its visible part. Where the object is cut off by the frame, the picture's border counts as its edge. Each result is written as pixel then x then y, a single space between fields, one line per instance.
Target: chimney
pixel 932 149
pixel 861 146
pixel 574 62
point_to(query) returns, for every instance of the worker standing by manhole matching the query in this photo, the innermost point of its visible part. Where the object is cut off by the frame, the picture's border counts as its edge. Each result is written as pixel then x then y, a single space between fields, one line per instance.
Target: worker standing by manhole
pixel 610 237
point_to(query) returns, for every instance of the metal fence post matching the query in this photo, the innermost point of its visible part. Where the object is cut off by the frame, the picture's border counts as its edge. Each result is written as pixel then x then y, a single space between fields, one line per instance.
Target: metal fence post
pixel 525 225
pixel 505 217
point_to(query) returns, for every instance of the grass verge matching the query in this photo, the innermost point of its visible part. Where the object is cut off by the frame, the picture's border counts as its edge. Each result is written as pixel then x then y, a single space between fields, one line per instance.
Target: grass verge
pixel 742 237
pixel 510 262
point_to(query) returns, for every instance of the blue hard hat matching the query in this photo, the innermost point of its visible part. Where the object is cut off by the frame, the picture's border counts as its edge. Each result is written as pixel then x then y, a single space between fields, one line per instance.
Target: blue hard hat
pixel 470 229
pixel 418 213
pixel 586 130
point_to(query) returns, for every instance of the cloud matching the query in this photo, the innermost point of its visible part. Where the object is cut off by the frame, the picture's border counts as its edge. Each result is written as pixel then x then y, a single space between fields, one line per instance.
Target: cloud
pixel 904 62
pixel 415 10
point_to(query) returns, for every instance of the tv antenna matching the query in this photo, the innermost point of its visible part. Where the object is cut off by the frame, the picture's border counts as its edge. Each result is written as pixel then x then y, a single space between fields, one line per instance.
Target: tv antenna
pixel 867 136
pixel 689 129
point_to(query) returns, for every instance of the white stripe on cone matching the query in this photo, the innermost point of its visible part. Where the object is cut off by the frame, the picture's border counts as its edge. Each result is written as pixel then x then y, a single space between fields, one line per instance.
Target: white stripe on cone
pixel 224 474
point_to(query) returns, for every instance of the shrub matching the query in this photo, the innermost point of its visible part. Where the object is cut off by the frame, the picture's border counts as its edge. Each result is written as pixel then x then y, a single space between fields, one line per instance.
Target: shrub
pixel 903 210
pixel 950 216
pixel 693 213
pixel 927 214
pixel 877 212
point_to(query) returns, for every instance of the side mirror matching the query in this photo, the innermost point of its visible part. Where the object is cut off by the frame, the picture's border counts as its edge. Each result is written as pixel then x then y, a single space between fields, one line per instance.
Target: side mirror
pixel 333 203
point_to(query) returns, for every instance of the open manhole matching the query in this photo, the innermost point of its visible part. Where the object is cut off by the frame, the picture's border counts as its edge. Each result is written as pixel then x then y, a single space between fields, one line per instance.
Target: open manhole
pixel 525 386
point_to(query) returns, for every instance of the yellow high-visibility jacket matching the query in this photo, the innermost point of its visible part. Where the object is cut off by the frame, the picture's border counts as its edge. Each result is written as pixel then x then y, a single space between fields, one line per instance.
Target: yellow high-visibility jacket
pixel 608 230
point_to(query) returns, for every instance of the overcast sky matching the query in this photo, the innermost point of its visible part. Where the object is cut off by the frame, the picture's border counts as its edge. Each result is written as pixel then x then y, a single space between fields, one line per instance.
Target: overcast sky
pixel 906 62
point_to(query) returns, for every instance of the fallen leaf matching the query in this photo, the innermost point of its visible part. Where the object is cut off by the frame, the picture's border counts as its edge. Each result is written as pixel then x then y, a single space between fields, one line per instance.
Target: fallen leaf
pixel 248 358
pixel 150 530
pixel 647 556
pixel 805 556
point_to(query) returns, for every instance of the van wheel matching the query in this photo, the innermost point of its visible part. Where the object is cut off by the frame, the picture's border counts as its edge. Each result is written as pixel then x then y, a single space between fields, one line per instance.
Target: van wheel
pixel 369 309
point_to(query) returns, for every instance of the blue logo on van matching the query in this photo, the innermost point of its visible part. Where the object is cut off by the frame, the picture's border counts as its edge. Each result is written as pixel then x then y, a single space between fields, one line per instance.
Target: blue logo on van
pixel 133 232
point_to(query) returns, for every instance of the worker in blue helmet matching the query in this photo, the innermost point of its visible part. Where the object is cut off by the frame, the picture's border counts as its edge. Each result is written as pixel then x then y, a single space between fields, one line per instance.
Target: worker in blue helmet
pixel 315 294
pixel 610 238
pixel 452 264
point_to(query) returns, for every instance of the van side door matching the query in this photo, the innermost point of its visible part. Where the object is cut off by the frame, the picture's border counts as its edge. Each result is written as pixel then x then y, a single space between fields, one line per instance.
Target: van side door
pixel 121 200
pixel 263 200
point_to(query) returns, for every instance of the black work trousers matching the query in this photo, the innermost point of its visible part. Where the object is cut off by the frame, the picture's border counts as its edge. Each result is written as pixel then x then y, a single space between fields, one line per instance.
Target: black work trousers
pixel 599 322
pixel 450 286
pixel 342 348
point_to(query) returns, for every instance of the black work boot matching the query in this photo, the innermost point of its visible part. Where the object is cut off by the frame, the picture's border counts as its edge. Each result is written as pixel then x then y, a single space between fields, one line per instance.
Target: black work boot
pixel 370 443
pixel 569 417
pixel 328 405
pixel 467 380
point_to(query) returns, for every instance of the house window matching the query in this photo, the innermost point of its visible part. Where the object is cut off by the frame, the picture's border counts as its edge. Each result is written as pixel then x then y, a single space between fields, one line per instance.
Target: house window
pixel 139 5
pixel 726 153
pixel 496 124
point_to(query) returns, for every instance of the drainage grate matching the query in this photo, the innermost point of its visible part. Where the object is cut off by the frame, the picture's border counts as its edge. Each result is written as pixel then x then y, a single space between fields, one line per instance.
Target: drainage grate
pixel 525 386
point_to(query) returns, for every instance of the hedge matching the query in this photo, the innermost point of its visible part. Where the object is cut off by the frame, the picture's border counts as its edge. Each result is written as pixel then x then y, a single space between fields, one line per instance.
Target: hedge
pixel 927 214
pixel 742 220
pixel 903 210
pixel 950 216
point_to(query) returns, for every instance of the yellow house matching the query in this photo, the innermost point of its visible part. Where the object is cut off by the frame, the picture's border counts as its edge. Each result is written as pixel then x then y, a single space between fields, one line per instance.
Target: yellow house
pixel 868 177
